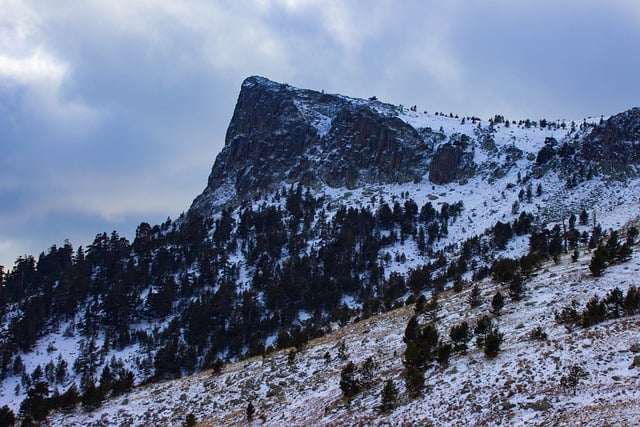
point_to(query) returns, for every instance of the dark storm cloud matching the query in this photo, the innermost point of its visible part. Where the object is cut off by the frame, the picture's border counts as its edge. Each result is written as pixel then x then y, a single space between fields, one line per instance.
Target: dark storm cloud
pixel 111 113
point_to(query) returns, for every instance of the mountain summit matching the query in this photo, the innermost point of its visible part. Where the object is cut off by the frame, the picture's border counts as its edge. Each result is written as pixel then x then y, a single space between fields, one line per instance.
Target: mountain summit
pixel 279 135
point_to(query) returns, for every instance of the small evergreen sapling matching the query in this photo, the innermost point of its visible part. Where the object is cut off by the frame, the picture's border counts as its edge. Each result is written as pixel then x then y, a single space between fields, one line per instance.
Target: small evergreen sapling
pixel 414 381
pixel 250 411
pixel 492 343
pixel 475 298
pixel 497 303
pixel 388 396
pixel 349 383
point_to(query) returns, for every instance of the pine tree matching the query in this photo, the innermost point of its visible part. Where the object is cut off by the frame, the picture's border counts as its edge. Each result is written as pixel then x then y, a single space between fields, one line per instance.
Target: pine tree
pixel 460 335
pixel 412 330
pixel 497 303
pixel 250 412
pixel 598 261
pixel 190 421
pixel 482 329
pixel 388 396
pixel 475 298
pixel 516 288
pixel 492 343
pixel 7 417
pixel 349 383
pixel 414 380
pixel 443 353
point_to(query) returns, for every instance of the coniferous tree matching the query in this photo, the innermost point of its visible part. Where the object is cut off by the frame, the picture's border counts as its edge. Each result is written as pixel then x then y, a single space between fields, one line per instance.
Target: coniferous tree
pixel 443 353
pixel 414 380
pixel 483 327
pixel 388 396
pixel 349 381
pixel 460 335
pixel 598 261
pixel 7 417
pixel 631 302
pixel 497 302
pixel 475 298
pixel 190 420
pixel 412 331
pixel 492 342
pixel 250 412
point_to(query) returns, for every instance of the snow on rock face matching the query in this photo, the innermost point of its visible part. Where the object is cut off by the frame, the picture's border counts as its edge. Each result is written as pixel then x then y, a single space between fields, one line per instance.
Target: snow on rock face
pixel 281 135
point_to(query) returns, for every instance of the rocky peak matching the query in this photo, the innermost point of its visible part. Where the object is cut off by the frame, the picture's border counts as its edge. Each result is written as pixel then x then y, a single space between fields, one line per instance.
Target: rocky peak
pixel 280 134
pixel 615 144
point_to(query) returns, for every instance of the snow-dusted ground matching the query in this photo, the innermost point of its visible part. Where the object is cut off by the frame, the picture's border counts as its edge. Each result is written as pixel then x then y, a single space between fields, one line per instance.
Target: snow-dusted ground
pixel 519 387
pixel 486 201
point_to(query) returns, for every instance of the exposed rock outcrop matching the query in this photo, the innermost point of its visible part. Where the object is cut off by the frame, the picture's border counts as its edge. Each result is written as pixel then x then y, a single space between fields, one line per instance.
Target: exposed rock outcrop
pixel 280 134
pixel 615 145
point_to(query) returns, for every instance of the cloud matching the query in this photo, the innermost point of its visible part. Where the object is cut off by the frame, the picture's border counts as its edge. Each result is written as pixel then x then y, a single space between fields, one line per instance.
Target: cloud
pixel 112 112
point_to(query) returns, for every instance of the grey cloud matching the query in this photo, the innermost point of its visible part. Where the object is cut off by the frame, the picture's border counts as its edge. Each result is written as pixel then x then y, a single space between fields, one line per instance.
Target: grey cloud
pixel 129 127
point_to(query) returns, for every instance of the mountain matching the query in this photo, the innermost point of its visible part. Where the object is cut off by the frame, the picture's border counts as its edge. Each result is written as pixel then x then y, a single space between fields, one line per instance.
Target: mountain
pixel 321 210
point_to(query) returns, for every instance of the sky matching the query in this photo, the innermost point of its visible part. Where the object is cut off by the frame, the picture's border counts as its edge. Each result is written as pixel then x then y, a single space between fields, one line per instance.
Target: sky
pixel 112 112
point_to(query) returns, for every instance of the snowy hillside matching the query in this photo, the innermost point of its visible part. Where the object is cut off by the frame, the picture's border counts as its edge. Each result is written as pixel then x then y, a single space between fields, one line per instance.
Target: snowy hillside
pixel 521 386
pixel 320 210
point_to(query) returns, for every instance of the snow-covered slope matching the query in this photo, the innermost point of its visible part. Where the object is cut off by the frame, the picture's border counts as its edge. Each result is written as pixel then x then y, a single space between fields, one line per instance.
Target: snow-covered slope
pixel 344 155
pixel 521 386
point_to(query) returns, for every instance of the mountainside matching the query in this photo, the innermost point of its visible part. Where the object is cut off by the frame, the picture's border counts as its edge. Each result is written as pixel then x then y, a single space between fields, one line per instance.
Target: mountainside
pixel 319 211
pixel 521 386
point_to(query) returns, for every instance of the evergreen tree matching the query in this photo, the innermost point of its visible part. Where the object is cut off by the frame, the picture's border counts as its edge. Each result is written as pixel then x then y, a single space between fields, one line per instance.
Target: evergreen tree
pixel 598 261
pixel 460 335
pixel 631 301
pixel 250 411
pixel 37 404
pixel 497 302
pixel 349 382
pixel 492 343
pixel 475 298
pixel 516 288
pixel 414 380
pixel 443 353
pixel 594 313
pixel 412 331
pixel 7 417
pixel 584 217
pixel 483 327
pixel 190 421
pixel 388 396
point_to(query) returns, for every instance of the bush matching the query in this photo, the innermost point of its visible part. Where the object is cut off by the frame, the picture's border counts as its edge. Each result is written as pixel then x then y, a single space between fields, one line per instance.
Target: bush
pixel 538 334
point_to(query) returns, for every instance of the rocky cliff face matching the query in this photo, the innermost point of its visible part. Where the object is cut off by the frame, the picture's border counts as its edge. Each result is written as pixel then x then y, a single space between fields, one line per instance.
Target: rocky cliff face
pixel 615 145
pixel 280 134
